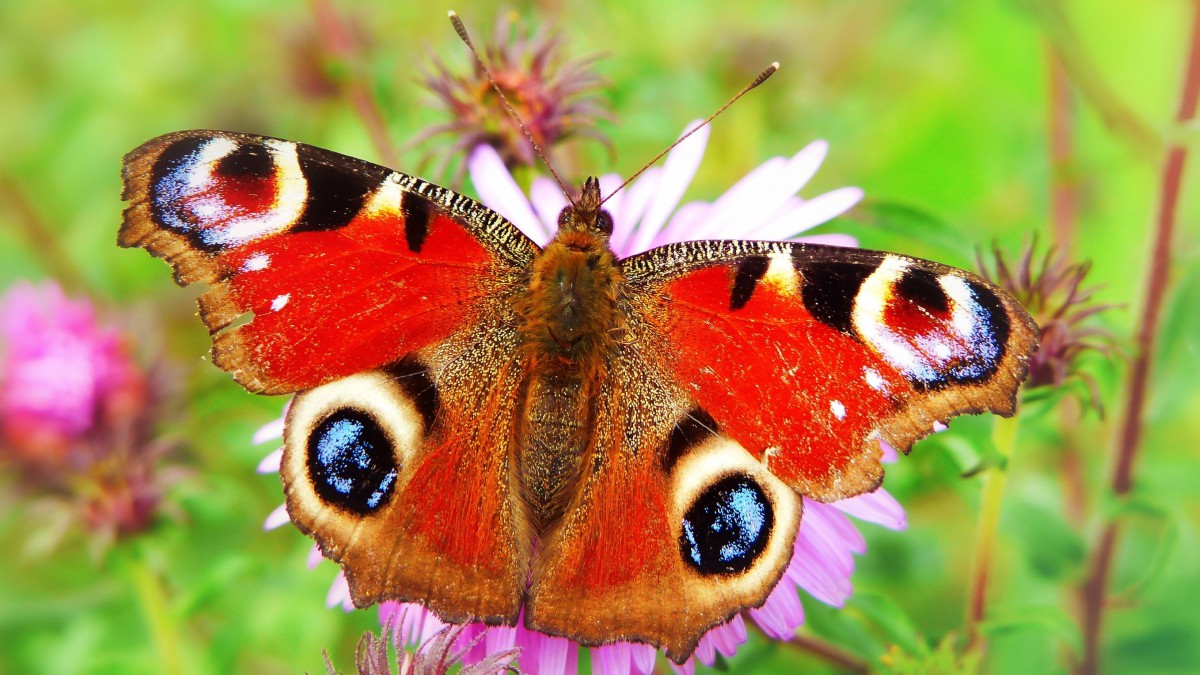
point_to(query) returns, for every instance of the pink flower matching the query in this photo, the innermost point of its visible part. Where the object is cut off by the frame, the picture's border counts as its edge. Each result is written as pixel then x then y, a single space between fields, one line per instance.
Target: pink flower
pixel 763 205
pixel 77 417
pixel 62 375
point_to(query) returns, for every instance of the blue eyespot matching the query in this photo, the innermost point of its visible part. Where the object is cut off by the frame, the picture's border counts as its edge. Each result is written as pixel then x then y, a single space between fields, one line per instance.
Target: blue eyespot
pixel 351 462
pixel 727 527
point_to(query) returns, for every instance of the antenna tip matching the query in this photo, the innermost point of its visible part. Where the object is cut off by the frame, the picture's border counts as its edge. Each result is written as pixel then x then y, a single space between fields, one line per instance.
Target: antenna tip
pixel 774 64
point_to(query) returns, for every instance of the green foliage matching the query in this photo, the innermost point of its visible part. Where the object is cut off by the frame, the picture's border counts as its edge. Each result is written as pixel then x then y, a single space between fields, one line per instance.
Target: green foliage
pixel 944 659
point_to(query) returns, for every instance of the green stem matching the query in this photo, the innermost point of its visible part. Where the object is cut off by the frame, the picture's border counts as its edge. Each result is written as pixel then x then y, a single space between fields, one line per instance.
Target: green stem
pixel 152 600
pixel 1004 436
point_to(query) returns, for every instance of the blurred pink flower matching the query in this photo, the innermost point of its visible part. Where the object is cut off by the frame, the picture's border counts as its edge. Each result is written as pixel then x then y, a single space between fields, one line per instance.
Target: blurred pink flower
pixel 62 375
pixel 77 417
pixel 763 205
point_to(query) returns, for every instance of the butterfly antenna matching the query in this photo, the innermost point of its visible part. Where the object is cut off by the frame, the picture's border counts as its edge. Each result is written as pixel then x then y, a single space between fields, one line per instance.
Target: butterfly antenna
pixel 462 35
pixel 762 77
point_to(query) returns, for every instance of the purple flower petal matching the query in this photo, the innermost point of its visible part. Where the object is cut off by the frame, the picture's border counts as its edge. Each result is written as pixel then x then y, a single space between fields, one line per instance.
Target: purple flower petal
pixel 615 206
pixel 678 171
pixel 548 201
pixel 272 462
pixel 736 212
pixel 500 192
pixel 728 637
pixel 815 211
pixel 339 594
pixel 278 518
pixel 499 638
pixel 833 525
pixel 314 557
pixel 781 614
pixel 843 240
pixel 774 191
pixel 804 164
pixel 268 432
pixel 822 561
pixel 412 623
pixel 643 658
pixel 547 655
pixel 877 507
pixel 637 199
pixel 684 224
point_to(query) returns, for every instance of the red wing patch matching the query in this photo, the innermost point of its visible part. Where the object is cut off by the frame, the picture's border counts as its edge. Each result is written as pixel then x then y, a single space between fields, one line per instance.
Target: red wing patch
pixel 783 384
pixel 336 302
pixel 809 355
pixel 341 265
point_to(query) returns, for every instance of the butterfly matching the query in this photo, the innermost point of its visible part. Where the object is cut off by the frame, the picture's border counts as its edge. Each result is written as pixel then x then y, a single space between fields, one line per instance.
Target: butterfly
pixel 616 448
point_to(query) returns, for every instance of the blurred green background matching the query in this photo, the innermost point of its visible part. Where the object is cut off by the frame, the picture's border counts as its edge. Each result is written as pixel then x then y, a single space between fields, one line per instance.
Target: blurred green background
pixel 939 109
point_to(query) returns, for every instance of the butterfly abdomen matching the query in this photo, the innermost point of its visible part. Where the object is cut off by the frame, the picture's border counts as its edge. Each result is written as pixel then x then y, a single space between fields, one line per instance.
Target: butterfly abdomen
pixel 569 325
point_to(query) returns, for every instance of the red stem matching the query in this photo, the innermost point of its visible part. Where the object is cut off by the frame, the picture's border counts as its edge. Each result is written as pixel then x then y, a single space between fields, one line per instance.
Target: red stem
pixel 1062 174
pixel 1129 441
pixel 821 649
pixel 830 653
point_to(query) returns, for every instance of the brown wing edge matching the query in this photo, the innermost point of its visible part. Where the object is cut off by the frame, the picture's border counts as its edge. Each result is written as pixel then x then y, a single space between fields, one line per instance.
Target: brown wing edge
pixel 138 229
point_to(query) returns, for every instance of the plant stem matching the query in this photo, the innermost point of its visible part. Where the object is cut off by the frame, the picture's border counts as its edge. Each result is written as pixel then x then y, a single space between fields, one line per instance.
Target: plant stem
pixel 337 40
pixel 1118 116
pixel 1063 199
pixel 1159 268
pixel 152 600
pixel 43 241
pixel 1004 436
pixel 830 653
pixel 1130 435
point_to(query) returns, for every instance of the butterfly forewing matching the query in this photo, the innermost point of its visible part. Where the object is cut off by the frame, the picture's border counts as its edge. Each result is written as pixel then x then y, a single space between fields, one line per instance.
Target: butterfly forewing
pixel 344 265
pixel 809 355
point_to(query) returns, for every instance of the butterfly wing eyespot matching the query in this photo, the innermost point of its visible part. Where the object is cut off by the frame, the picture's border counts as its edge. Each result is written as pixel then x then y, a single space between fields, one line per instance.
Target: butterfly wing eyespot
pixel 349 445
pixel 341 264
pixel 809 355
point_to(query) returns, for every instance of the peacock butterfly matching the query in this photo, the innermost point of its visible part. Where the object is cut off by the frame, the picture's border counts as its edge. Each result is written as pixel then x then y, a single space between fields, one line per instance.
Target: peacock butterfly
pixel 619 447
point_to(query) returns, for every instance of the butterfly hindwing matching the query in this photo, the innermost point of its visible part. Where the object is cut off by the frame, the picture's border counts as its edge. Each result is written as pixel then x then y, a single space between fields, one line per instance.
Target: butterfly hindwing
pixel 344 265
pixel 674 527
pixel 404 475
pixel 809 355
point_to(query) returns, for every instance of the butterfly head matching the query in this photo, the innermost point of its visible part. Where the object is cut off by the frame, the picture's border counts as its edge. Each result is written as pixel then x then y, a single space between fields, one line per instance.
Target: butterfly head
pixel 584 214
